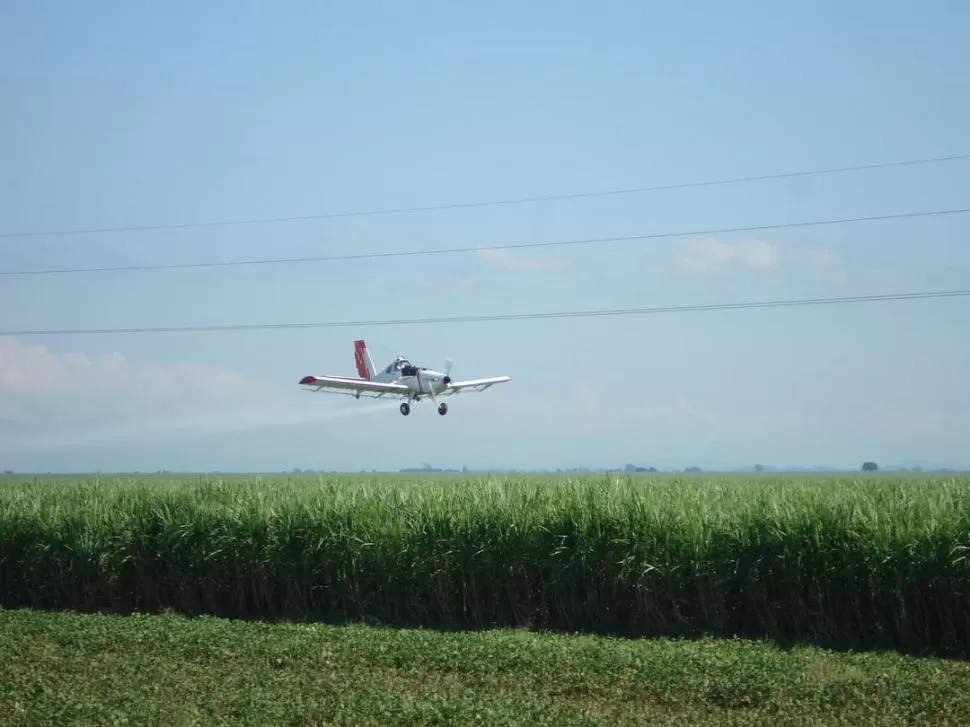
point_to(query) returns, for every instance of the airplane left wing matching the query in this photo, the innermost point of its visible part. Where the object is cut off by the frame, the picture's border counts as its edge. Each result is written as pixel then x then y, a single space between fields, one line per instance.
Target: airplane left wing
pixel 351 384
pixel 477 384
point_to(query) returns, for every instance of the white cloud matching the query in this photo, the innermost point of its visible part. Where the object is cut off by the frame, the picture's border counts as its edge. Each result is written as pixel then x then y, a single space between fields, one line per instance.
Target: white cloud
pixel 710 253
pixel 74 390
pixel 500 258
pixel 34 368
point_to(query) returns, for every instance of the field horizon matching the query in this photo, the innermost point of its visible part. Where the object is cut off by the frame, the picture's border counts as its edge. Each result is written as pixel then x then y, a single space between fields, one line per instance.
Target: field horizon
pixel 794 470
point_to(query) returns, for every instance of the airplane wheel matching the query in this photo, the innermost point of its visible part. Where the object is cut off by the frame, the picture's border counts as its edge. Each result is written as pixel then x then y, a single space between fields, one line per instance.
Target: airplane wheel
pixel 405 409
pixel 442 409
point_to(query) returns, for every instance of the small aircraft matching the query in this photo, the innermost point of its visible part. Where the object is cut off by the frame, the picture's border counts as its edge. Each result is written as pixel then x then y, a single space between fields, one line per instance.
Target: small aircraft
pixel 400 378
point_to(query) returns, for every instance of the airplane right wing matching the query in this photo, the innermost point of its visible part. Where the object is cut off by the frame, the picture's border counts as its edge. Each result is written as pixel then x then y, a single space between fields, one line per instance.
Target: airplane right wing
pixel 353 385
pixel 477 384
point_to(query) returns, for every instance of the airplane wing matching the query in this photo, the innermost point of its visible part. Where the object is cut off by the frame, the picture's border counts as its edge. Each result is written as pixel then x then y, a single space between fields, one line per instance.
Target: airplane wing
pixel 476 384
pixel 352 385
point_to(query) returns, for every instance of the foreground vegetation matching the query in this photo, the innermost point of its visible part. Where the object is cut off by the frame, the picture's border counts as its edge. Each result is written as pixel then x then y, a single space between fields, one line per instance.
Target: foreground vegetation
pixel 169 670
pixel 846 562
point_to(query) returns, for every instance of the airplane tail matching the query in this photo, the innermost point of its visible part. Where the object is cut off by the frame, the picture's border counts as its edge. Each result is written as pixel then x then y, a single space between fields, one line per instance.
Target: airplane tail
pixel 365 366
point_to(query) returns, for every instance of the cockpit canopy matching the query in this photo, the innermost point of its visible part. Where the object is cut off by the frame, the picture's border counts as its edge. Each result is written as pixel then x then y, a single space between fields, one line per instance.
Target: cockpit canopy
pixel 400 364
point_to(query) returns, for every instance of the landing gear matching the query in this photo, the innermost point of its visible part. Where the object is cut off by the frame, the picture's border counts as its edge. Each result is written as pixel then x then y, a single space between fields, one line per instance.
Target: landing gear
pixel 406 408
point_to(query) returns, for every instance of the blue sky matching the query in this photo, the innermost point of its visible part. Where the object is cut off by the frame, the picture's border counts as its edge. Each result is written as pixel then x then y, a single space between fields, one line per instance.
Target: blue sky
pixel 139 114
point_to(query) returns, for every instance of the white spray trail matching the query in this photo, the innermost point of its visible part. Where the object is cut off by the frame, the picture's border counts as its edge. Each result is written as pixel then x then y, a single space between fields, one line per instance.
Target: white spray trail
pixel 200 425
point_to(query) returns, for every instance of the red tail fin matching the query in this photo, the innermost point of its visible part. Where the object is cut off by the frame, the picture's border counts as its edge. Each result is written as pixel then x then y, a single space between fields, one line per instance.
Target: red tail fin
pixel 361 357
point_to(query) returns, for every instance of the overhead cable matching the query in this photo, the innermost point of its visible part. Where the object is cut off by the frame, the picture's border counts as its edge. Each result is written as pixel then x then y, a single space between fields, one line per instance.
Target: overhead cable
pixel 489 203
pixel 508 246
pixel 501 317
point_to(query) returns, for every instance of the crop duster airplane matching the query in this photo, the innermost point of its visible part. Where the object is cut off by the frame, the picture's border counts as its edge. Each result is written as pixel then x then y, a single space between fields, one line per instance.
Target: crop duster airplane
pixel 400 378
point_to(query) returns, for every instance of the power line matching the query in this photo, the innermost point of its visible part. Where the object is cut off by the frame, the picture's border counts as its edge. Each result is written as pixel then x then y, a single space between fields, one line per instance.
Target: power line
pixel 508 246
pixel 504 317
pixel 489 203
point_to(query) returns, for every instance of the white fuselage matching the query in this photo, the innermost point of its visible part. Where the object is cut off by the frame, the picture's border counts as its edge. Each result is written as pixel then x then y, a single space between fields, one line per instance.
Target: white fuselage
pixel 417 379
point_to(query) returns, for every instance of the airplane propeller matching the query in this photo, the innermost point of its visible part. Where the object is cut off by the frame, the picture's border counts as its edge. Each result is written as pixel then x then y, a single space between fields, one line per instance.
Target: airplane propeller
pixel 448 364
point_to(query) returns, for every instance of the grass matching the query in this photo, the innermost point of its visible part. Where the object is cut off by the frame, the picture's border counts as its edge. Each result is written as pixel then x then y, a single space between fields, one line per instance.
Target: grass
pixel 849 562
pixel 66 668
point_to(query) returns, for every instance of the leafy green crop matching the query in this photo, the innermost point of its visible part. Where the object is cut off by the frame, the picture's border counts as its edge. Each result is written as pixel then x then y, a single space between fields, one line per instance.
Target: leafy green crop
pixel 873 561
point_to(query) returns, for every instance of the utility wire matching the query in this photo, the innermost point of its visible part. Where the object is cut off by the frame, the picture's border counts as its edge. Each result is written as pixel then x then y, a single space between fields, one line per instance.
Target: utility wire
pixel 490 203
pixel 509 246
pixel 503 317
